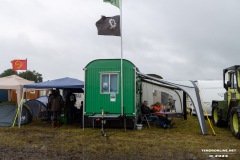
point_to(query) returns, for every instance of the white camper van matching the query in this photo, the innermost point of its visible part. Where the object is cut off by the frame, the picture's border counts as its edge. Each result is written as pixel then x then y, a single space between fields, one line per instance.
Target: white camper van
pixel 209 90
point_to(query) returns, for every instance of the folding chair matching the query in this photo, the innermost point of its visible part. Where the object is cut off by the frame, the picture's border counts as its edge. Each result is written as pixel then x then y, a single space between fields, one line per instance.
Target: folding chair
pixel 145 119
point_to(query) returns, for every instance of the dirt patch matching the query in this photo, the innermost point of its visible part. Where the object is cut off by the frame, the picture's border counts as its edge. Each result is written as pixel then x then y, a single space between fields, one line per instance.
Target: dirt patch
pixel 32 153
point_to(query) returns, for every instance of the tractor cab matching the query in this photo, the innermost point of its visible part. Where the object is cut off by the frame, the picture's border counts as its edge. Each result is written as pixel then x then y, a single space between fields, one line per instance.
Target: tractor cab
pixel 232 83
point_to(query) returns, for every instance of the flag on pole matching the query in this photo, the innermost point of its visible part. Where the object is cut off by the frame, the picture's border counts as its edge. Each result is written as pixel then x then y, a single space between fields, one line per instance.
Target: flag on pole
pixel 109 26
pixel 19 64
pixel 113 2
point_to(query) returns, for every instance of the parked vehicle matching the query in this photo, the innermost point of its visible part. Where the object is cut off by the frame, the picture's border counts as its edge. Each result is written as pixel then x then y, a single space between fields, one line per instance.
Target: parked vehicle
pixel 228 111
pixel 209 90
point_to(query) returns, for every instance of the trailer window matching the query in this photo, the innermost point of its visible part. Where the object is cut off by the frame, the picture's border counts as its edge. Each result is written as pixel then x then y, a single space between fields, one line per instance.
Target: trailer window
pixel 109 82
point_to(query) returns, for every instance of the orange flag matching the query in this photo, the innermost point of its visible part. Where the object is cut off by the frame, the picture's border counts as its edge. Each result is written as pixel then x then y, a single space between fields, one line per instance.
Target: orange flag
pixel 19 64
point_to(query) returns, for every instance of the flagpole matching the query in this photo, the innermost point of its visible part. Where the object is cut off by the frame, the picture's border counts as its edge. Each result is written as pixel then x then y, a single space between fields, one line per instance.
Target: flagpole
pixel 26 78
pixel 26 69
pixel 121 57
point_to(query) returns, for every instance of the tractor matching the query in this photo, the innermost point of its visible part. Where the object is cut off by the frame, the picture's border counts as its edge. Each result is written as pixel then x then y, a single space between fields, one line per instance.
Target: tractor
pixel 228 110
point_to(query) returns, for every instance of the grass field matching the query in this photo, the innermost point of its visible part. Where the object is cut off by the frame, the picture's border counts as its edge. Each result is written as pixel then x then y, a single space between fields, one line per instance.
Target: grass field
pixel 38 140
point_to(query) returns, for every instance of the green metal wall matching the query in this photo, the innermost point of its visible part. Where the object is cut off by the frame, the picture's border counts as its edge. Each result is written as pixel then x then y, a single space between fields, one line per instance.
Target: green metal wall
pixel 94 100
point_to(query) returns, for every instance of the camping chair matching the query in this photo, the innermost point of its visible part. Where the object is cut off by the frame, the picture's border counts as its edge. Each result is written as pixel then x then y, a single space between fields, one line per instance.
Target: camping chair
pixel 145 119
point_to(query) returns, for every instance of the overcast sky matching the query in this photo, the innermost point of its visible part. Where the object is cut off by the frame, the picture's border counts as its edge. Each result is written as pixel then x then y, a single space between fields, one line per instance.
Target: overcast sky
pixel 177 39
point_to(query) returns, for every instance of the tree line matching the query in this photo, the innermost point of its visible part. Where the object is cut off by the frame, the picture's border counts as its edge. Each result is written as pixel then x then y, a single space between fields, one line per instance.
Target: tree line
pixel 29 75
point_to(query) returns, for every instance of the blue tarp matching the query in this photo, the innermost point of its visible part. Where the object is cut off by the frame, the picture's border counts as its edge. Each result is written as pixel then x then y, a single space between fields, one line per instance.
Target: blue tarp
pixel 61 83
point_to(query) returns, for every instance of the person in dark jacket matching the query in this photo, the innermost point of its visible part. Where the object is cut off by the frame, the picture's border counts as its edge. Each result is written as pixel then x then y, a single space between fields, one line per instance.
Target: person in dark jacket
pixel 145 109
pixel 48 105
pixel 70 104
pixel 56 104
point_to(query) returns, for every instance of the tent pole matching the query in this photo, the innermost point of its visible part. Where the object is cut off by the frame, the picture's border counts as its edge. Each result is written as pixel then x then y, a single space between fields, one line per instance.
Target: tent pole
pixel 83 106
pixel 184 105
pixel 21 104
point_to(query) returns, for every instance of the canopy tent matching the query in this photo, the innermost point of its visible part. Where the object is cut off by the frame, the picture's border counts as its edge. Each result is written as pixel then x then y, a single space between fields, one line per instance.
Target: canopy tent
pixel 14 82
pixel 190 88
pixel 62 83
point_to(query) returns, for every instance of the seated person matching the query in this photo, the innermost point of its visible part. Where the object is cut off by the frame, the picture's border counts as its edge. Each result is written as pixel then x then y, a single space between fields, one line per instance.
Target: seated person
pixel 147 111
pixel 156 108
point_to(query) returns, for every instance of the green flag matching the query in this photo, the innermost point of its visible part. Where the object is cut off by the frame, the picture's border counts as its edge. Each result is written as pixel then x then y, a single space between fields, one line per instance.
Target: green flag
pixel 113 2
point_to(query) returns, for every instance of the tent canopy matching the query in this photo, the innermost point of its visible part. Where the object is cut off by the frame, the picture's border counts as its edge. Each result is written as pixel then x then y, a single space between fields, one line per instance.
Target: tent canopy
pixel 62 83
pixel 14 82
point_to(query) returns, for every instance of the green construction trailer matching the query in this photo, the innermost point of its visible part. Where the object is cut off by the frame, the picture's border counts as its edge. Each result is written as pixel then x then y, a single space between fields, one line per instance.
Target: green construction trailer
pixel 103 91
pixel 227 112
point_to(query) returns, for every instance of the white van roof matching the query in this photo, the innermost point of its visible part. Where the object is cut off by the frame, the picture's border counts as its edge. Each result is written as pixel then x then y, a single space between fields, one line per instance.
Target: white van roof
pixel 204 84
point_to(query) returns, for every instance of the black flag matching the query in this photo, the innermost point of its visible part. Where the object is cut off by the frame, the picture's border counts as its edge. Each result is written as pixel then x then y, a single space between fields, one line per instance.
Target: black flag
pixel 109 26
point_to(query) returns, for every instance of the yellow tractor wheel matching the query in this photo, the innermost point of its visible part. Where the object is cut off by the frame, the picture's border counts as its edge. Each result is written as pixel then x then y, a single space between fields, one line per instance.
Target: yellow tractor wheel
pixel 217 116
pixel 235 121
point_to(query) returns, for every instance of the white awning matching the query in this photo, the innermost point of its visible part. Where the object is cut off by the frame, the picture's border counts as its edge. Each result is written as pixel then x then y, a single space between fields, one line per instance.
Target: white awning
pixel 190 88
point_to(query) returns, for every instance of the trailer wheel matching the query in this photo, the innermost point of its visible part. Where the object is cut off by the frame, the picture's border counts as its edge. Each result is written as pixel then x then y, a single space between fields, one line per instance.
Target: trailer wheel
pixel 235 121
pixel 217 116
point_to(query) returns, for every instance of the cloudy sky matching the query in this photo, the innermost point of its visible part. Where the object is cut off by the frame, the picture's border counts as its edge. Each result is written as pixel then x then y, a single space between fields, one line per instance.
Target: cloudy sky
pixel 177 39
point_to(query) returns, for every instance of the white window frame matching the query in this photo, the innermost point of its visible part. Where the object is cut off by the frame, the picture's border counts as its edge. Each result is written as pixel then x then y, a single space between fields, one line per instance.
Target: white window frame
pixel 109 80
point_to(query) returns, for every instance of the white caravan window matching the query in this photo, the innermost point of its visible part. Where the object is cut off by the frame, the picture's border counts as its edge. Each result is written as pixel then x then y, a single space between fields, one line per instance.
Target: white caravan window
pixel 109 83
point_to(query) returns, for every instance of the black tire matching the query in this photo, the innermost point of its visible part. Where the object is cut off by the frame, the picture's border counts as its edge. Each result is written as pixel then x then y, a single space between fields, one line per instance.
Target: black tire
pixel 235 122
pixel 217 116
